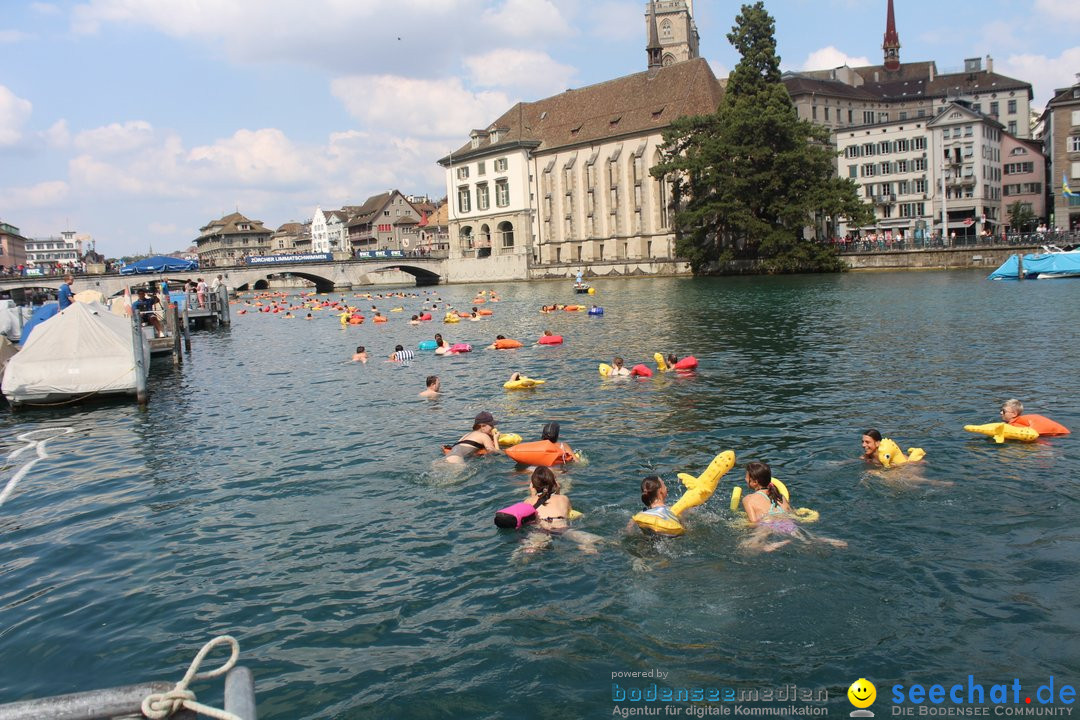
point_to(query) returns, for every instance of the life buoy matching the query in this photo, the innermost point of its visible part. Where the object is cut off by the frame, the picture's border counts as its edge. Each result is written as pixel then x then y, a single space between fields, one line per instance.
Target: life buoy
pixel 640 371
pixel 551 340
pixel 541 452
pixel 379 319
pixel 507 344
pixel 687 363
pixel 485 312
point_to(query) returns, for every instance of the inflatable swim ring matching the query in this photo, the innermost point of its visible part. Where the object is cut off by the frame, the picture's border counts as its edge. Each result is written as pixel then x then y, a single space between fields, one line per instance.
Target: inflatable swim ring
pixel 1002 431
pixel 509 439
pixel 640 371
pixel 550 340
pixel 805 515
pixel 451 318
pixel 687 363
pixel 458 348
pixel 507 344
pixel 541 452
pixel 380 319
pixel 485 312
pixel 889 454
pixel 522 383
pixel 1040 424
pixel 427 345
pixel 698 490
pixel 596 311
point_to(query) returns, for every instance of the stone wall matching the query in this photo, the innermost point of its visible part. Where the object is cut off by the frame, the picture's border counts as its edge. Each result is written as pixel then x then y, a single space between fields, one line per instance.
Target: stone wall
pixel 610 268
pixel 495 268
pixel 988 257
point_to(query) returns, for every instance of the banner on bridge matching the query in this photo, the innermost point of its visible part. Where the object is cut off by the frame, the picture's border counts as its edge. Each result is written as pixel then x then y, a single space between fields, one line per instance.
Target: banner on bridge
pixel 296 257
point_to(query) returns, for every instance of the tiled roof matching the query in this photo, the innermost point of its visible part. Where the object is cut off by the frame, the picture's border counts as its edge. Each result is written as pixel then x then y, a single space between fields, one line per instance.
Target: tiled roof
pixel 228 225
pixel 802 85
pixel 640 103
pixel 912 80
pixel 366 212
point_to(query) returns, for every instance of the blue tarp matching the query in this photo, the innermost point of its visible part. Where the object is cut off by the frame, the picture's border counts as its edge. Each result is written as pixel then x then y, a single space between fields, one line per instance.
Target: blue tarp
pixel 1062 264
pixel 159 264
pixel 40 315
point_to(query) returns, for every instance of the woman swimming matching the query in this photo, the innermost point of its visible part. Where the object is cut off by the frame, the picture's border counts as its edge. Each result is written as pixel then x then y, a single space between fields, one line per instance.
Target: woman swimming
pixel 553 515
pixel 770 513
pixel 482 437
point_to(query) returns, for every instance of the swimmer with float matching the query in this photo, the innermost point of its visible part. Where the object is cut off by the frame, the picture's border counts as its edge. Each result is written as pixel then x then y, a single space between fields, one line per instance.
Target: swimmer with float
pixel 553 515
pixel 483 436
pixel 1012 412
pixel 885 452
pixel 769 511
pixel 658 518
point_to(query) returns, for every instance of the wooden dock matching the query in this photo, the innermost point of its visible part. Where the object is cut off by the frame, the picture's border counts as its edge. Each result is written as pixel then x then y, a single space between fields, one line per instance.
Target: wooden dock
pixel 180 318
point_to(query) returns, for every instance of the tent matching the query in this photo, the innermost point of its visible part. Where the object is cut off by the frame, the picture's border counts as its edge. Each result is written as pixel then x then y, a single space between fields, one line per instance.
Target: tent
pixel 159 264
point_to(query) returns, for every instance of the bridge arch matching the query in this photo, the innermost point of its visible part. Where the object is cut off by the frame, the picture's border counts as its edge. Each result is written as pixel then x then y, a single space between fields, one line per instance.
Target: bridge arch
pixel 423 276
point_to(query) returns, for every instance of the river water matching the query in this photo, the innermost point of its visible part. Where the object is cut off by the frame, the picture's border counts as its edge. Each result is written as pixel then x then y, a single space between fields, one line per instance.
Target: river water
pixel 276 491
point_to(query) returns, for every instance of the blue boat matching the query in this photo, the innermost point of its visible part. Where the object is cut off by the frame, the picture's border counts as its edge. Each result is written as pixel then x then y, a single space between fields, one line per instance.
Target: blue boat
pixel 1052 264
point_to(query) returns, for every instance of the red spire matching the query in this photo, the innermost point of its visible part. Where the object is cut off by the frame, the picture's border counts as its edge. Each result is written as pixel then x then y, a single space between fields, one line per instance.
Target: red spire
pixel 891 46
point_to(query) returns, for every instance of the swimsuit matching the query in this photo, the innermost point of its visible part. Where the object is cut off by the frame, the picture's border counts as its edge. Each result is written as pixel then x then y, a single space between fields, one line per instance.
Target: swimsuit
pixel 777 520
pixel 467 448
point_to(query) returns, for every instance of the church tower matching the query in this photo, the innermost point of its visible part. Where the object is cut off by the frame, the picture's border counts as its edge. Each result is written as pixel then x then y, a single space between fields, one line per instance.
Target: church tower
pixel 891 46
pixel 672 34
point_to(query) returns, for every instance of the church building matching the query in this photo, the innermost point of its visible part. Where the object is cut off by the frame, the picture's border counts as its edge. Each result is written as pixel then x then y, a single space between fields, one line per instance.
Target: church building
pixel 565 180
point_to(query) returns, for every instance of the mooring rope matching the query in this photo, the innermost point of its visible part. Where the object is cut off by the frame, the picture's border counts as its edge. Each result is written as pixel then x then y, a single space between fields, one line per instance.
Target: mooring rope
pixel 158 706
pixel 31 443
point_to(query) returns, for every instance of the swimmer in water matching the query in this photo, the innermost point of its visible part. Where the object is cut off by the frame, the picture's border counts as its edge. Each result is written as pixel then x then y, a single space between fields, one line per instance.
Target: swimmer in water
pixel 360 355
pixel 770 514
pixel 553 515
pixel 483 436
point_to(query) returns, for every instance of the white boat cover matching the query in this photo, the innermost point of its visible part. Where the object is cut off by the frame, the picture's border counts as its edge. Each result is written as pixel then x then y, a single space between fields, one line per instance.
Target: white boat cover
pixel 83 350
pixel 12 318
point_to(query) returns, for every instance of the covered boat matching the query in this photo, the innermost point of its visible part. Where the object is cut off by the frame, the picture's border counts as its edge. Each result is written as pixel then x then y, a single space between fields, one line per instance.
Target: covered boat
pixel 82 351
pixel 1040 266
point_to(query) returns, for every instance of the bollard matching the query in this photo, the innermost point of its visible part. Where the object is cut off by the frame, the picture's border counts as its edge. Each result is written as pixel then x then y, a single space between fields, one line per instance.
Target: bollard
pixel 240 693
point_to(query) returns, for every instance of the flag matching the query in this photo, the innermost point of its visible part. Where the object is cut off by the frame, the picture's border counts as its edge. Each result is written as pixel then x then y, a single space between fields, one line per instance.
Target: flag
pixel 1065 187
pixel 127 301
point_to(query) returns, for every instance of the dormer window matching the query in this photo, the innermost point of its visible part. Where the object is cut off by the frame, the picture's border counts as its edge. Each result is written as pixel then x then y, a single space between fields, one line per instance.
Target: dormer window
pixel 494 136
pixel 475 141
pixel 614 122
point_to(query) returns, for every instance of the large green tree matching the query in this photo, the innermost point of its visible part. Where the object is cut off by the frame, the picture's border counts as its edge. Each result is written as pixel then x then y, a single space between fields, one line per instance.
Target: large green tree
pixel 749 178
pixel 1021 217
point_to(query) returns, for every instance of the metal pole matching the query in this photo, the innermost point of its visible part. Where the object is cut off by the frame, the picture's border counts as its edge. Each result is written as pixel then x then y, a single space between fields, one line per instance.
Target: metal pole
pixel 240 693
pixel 138 341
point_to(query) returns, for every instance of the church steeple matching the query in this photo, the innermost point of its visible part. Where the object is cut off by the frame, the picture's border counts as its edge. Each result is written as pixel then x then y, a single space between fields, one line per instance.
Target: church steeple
pixel 891 46
pixel 654 49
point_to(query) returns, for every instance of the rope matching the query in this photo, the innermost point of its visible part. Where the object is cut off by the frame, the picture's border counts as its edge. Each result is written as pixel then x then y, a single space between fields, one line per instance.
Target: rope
pixel 31 443
pixel 158 706
pixel 80 398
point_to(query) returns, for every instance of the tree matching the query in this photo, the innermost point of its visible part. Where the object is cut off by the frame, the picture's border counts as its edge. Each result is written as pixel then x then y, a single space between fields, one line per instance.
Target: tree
pixel 749 178
pixel 1021 218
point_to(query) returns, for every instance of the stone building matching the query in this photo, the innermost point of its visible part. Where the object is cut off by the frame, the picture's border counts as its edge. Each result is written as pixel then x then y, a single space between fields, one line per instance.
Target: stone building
pixel 291 237
pixel 12 247
pixel 1061 142
pixel 372 226
pixel 966 147
pixel 566 179
pixel 1023 168
pixel 231 239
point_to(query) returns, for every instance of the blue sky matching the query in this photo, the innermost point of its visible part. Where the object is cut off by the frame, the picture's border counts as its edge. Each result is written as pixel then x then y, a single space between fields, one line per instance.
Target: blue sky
pixel 138 121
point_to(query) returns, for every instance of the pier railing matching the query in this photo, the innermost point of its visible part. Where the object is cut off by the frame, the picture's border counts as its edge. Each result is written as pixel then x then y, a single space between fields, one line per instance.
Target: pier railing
pixel 864 245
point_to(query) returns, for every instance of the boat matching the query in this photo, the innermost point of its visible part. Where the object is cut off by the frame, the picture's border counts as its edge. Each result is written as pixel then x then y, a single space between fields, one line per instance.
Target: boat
pixel 81 352
pixel 581 288
pixel 1052 263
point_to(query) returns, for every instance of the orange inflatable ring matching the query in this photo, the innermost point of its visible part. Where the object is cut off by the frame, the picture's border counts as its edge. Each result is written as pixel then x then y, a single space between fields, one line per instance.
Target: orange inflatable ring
pixel 356 320
pixel 380 319
pixel 507 344
pixel 551 340
pixel 464 314
pixel 485 312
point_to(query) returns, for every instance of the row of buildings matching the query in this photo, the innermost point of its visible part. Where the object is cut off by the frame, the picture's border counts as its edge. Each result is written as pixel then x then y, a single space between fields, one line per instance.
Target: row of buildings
pixel 566 179
pixel 67 252
pixel 410 224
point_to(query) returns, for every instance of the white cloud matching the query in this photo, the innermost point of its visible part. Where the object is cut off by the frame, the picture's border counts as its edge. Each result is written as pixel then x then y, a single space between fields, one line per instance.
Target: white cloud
pixel 255 158
pixel 14 112
pixel 526 19
pixel 1059 10
pixel 43 194
pixel 829 57
pixel 529 72
pixel 163 228
pixel 1044 73
pixel 57 136
pixel 12 36
pixel 410 107
pixel 116 138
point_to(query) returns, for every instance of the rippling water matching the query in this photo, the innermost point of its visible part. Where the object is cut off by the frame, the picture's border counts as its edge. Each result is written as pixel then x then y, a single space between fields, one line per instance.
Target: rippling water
pixel 276 491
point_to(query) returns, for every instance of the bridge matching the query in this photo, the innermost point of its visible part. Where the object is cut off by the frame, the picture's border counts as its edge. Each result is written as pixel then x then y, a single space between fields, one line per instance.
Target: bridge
pixel 326 275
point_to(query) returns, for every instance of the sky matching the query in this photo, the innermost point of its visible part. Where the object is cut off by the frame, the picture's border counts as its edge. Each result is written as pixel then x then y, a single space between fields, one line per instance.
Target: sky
pixel 139 121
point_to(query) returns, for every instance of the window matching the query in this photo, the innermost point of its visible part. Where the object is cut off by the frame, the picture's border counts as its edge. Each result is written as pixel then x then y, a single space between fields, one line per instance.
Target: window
pixel 463 200
pixel 885 168
pixel 868 149
pixel 851 117
pixel 1075 117
pixel 502 193
pixel 1076 170
pixel 826 114
pixel 1019 168
pixel 868 170
pixel 884 147
pixel 853 171
pixel 665 30
pixel 480 167
pixel 463 173
pixel 868 117
pixel 969 131
pixel 1012 127
pixel 813 112
pixel 903 187
pixel 903 115
pixel 902 146
pixel 467 237
pixel 506 234
pixel 1012 107
pixel 994 108
pixel 920 185
pixel 977 107
pixel 918 143
pixel 919 164
pixel 1074 143
pixel 883 117
pixel 901 166
pixel 500 165
pixel 851 151
pixel 482 196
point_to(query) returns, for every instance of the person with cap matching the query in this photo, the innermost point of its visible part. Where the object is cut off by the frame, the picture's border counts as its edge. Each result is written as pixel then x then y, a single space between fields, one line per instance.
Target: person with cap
pixel 483 436
pixel 145 307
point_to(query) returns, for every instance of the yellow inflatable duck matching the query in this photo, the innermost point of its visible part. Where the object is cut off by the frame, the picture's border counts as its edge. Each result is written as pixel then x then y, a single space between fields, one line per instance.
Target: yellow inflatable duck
pixel 889 454
pixel 698 490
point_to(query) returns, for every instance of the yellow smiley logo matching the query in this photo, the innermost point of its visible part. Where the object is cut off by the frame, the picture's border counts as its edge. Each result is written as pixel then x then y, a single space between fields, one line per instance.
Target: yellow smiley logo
pixel 862 693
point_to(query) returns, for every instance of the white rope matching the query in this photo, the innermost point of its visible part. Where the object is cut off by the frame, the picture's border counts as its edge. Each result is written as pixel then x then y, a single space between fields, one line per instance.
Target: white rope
pixel 158 706
pixel 31 443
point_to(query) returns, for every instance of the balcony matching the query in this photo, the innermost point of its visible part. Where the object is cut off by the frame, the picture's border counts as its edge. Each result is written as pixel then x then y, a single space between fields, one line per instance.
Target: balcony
pixel 884 199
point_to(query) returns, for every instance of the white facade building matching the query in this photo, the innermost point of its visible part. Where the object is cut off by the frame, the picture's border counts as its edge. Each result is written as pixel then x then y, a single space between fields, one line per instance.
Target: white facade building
pixel 966 152
pixel 64 250
pixel 891 165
